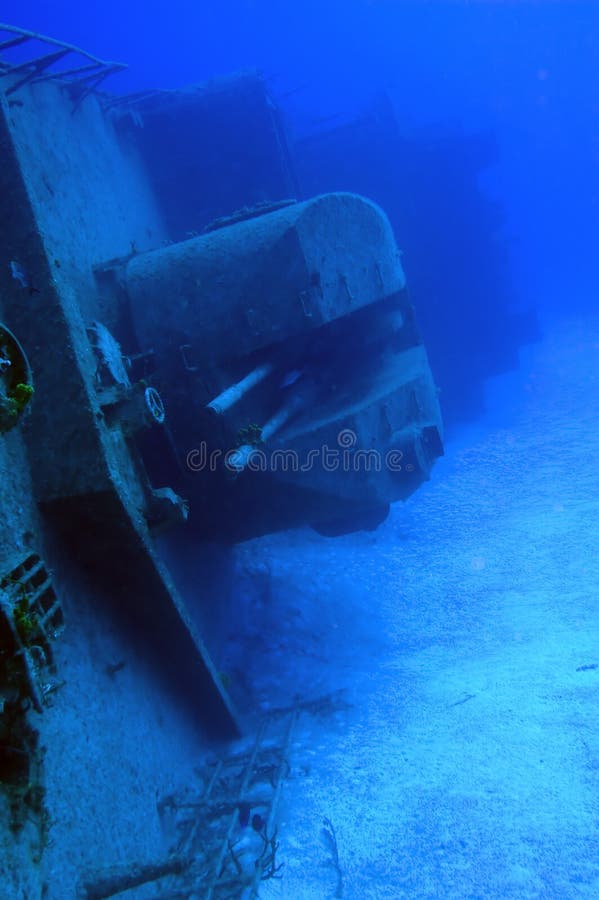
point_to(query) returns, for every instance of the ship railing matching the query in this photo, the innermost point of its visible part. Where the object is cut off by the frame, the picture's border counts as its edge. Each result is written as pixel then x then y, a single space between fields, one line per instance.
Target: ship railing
pixel 31 57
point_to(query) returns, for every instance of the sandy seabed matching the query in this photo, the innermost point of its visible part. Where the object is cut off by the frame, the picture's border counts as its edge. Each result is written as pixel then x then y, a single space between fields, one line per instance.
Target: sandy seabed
pixel 465 633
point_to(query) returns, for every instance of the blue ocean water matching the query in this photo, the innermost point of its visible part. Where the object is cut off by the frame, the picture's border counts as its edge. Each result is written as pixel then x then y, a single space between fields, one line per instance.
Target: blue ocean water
pixel 459 640
pixel 525 70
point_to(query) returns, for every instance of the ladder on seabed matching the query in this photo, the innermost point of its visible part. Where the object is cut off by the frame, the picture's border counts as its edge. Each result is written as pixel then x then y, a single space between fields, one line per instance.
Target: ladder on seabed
pixel 220 852
pixel 251 781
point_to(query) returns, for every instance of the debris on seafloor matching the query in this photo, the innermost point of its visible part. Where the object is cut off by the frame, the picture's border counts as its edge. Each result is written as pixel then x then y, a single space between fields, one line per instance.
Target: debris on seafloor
pixel 223 837
pixel 329 840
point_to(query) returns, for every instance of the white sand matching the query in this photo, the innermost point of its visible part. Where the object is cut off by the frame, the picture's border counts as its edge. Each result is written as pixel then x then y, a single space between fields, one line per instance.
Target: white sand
pixel 469 763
